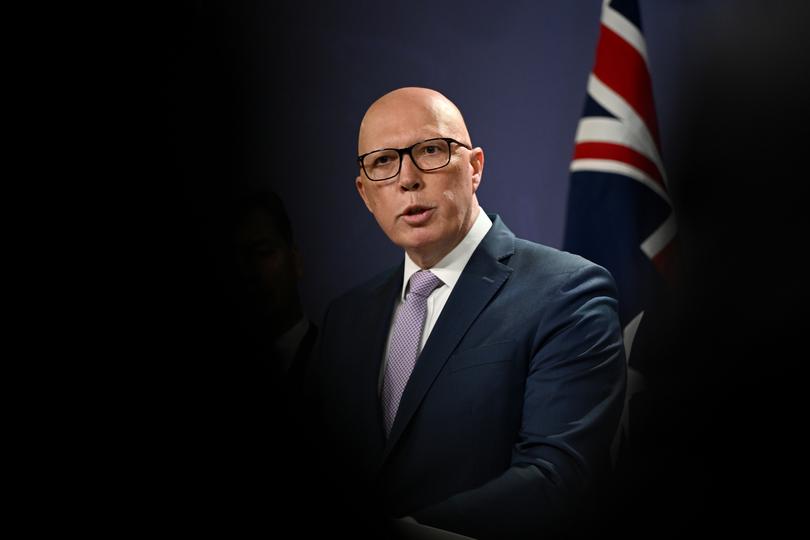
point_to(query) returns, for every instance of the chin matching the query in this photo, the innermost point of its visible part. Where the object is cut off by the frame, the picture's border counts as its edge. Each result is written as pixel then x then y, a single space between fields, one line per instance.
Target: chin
pixel 417 238
pixel 423 248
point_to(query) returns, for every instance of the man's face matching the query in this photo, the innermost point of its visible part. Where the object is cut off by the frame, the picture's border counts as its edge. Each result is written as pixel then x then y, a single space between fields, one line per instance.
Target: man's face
pixel 426 213
pixel 267 267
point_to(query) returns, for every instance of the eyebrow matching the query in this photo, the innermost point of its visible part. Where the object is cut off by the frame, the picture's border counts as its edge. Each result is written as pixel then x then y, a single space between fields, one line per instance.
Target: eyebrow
pixel 412 144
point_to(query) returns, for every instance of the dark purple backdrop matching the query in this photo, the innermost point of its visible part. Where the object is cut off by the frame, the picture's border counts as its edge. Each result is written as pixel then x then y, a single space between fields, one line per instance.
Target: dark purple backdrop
pixel 277 93
pixel 518 72
pixel 271 95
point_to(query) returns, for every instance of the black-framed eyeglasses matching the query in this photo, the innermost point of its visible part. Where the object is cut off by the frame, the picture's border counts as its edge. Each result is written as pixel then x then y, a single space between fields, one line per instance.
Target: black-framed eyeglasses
pixel 428 155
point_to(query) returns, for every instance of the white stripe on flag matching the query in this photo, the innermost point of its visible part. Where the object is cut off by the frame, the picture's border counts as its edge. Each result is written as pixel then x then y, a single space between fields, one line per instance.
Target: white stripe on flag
pixel 630 334
pixel 600 129
pixel 662 236
pixel 627 30
pixel 635 384
pixel 619 167
pixel 616 105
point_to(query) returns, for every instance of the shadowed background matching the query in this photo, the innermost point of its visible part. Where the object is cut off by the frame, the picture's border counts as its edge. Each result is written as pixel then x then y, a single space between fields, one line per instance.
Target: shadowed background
pixel 272 95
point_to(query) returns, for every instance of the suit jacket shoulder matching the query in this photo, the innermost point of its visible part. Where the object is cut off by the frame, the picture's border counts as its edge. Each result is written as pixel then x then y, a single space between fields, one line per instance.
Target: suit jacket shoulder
pixel 546 262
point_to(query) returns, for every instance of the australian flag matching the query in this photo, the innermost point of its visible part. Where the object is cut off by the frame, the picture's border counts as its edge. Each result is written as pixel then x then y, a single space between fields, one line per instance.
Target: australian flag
pixel 619 211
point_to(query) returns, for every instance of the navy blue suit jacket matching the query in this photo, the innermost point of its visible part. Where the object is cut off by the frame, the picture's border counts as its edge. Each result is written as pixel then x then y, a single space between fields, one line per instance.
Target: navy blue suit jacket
pixel 510 411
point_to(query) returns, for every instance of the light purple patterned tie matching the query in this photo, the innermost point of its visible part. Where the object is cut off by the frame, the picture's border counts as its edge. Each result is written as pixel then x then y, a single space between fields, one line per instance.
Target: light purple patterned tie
pixel 406 336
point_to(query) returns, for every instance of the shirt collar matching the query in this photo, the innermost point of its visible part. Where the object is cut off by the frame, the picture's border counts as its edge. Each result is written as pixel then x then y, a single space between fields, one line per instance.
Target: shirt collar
pixel 450 267
pixel 288 342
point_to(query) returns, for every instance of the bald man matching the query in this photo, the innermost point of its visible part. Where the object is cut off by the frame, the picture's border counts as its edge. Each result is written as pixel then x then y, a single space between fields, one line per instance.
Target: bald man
pixel 476 386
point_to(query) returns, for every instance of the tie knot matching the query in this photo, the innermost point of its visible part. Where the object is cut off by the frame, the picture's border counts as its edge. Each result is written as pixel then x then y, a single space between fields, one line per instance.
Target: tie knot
pixel 423 282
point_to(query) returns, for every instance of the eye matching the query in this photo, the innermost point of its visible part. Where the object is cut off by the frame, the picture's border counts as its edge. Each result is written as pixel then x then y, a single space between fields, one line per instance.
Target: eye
pixel 382 160
pixel 435 149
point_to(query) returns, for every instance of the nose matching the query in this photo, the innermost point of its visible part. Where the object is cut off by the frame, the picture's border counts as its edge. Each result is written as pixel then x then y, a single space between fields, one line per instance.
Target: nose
pixel 410 177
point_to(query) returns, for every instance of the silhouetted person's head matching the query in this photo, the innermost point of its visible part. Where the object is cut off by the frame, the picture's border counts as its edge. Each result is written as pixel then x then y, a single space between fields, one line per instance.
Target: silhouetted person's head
pixel 268 264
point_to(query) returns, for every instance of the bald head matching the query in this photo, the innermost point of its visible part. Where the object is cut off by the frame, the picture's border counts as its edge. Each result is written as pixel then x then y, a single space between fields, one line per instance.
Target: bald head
pixel 426 212
pixel 406 115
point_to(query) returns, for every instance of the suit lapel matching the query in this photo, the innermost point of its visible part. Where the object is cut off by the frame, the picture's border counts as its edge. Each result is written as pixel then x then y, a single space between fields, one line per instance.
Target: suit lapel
pixel 372 331
pixel 483 276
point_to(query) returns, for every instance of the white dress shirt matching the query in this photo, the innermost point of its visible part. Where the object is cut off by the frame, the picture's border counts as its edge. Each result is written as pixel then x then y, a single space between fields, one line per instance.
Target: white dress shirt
pixel 449 271
pixel 287 343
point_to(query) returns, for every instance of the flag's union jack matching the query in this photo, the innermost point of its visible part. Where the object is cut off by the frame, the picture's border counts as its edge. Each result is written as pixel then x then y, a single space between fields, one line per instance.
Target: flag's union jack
pixel 619 211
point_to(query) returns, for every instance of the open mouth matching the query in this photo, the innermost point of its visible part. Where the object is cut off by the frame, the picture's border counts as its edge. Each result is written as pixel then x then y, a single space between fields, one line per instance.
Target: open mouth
pixel 417 215
pixel 415 210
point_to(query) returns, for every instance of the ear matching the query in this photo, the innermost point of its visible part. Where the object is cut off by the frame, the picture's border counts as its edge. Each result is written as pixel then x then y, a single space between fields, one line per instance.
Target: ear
pixel 361 189
pixel 477 164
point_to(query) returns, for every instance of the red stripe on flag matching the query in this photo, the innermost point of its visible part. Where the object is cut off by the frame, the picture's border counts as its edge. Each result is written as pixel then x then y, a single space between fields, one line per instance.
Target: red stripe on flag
pixel 623 69
pixel 617 152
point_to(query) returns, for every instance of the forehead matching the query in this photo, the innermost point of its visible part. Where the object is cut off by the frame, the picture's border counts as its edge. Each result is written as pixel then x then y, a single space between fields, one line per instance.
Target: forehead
pixel 400 123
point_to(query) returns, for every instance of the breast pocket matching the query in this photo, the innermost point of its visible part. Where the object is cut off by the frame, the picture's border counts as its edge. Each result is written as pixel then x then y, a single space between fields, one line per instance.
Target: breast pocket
pixel 484 355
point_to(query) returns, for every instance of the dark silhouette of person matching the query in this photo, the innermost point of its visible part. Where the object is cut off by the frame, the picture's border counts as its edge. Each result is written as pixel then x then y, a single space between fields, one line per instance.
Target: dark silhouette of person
pixel 265 275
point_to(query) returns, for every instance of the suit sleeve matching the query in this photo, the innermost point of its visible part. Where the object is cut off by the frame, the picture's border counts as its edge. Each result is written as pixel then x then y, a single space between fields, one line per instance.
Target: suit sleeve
pixel 572 404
